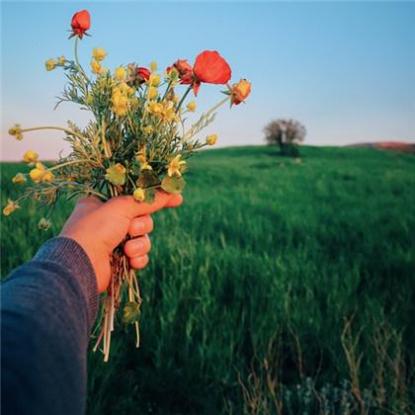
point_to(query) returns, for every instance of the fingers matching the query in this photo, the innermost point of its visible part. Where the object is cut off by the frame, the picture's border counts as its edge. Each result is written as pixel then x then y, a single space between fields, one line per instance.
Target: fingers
pixel 141 225
pixel 131 208
pixel 175 201
pixel 137 247
pixel 139 262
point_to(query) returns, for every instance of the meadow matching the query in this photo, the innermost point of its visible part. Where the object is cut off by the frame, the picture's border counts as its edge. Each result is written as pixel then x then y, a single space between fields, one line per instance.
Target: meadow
pixel 281 286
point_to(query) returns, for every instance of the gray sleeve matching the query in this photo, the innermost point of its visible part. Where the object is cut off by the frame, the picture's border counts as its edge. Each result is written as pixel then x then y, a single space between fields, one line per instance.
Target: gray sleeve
pixel 48 307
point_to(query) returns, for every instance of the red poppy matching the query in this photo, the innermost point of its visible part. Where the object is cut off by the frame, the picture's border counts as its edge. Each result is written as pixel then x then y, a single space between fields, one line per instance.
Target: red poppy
pixel 211 68
pixel 143 74
pixel 81 22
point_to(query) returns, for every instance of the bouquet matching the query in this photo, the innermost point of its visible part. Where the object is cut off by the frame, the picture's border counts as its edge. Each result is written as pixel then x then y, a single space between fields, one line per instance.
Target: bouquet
pixel 136 142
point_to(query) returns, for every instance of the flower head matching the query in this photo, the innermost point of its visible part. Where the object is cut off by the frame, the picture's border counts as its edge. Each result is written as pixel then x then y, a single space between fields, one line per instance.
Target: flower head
pixel 153 66
pixel 99 54
pixel 10 207
pixel 240 91
pixel 212 68
pixel 16 132
pixel 211 139
pixel 81 22
pixel 191 106
pixel 61 60
pixel 139 194
pixel 116 174
pixel 96 67
pixel 19 178
pixel 51 64
pixel 120 73
pixel 143 74
pixel 152 92
pixel 154 80
pixel 30 156
pixel 176 166
pixel 37 173
pixel 184 70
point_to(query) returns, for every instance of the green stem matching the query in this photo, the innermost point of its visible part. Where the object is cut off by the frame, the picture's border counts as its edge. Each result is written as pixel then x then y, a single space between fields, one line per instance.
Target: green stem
pixel 77 58
pixel 50 127
pixel 183 98
pixel 68 163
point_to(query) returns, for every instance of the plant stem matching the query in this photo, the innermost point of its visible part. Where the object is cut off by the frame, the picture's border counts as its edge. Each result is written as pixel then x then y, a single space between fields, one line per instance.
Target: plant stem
pixel 77 59
pixel 183 98
pixel 68 163
pixel 49 127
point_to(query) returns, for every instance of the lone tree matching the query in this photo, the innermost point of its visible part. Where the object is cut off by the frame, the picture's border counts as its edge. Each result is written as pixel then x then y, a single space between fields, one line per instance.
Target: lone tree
pixel 287 134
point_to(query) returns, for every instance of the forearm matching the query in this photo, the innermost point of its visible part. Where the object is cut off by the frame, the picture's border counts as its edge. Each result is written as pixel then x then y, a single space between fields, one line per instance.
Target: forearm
pixel 48 308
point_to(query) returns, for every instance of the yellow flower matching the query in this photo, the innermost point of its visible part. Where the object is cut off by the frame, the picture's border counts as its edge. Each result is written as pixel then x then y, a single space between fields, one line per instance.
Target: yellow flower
pixel 48 176
pixel 153 66
pixel 61 60
pixel 211 139
pixel 191 106
pixel 99 54
pixel 16 132
pixel 37 173
pixel 10 207
pixel 120 73
pixel 30 156
pixel 142 159
pixel 152 92
pixel 51 64
pixel 148 130
pixel 155 108
pixel 44 224
pixel 116 174
pixel 139 194
pixel 96 67
pixel 154 80
pixel 19 178
pixel 176 166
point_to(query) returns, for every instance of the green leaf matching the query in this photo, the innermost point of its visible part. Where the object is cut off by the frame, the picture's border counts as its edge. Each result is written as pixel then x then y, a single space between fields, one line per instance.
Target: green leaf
pixel 131 312
pixel 173 184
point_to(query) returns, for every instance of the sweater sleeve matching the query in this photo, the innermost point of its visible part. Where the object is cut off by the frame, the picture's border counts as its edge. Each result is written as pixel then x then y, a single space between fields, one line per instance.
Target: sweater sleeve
pixel 48 307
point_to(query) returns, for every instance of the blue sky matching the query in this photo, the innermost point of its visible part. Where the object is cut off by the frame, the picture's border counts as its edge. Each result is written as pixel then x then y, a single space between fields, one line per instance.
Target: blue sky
pixel 344 69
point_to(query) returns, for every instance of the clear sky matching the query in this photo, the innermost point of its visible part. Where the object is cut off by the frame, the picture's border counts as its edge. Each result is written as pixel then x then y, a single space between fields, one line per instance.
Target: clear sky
pixel 344 69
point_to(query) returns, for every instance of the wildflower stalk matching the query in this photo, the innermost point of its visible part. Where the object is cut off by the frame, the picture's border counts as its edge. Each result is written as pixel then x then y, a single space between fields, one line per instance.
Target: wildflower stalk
pixel 50 127
pixel 183 98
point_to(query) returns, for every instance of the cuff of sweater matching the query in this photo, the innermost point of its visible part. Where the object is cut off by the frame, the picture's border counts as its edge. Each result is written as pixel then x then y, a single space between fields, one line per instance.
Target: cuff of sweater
pixel 69 254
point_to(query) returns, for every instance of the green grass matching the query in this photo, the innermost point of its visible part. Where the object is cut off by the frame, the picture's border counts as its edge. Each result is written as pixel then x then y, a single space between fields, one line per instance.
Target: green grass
pixel 276 285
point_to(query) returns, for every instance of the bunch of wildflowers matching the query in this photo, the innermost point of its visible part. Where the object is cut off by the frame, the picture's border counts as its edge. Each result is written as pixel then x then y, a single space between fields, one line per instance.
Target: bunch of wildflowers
pixel 135 143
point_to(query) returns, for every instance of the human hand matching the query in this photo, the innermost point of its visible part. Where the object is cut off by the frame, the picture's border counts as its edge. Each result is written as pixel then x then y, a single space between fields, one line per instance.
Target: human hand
pixel 100 227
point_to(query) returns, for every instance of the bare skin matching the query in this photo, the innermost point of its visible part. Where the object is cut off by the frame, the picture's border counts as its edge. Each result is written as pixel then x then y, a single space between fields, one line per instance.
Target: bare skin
pixel 100 227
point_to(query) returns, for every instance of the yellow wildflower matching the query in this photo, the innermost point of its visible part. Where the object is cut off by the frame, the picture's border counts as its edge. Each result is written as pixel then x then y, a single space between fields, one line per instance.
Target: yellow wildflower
pixel 152 92
pixel 96 67
pixel 139 194
pixel 51 64
pixel 176 166
pixel 116 174
pixel 153 66
pixel 154 80
pixel 19 178
pixel 44 224
pixel 191 106
pixel 10 207
pixel 99 54
pixel 37 173
pixel 148 130
pixel 120 73
pixel 120 104
pixel 142 159
pixel 211 139
pixel 30 156
pixel 16 132
pixel 48 176
pixel 61 60
pixel 155 108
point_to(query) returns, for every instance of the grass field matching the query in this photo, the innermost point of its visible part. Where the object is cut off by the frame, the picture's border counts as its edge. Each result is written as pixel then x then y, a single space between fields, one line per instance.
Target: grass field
pixel 278 287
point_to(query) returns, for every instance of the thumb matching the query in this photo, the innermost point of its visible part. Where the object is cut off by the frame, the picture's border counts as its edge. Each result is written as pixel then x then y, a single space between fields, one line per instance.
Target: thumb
pixel 87 204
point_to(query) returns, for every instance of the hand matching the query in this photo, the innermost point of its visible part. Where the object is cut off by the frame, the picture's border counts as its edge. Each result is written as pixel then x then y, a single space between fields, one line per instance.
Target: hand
pixel 100 227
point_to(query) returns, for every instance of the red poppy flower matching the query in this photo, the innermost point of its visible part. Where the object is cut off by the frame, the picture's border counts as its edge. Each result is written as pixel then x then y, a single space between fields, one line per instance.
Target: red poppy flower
pixel 211 68
pixel 81 22
pixel 143 74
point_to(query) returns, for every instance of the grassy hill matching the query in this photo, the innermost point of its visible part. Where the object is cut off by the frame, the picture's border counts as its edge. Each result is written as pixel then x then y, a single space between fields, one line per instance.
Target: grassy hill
pixel 280 285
